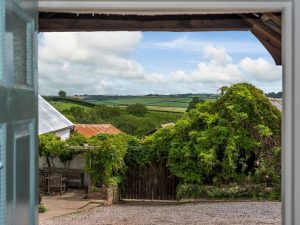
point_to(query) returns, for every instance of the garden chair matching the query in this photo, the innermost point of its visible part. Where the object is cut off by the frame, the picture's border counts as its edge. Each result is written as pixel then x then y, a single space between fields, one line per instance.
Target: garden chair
pixel 56 181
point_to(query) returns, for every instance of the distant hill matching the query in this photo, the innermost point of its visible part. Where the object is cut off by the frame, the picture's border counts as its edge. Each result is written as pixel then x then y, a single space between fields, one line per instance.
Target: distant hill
pixel 274 95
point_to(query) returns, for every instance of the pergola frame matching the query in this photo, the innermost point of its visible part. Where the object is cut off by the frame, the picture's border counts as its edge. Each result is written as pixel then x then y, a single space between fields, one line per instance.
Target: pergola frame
pixel 290 60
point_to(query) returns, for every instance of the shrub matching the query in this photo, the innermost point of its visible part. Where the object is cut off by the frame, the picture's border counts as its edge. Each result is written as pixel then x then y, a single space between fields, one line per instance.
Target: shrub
pixel 228 140
pixel 231 191
pixel 105 162
pixel 137 109
pixel 42 208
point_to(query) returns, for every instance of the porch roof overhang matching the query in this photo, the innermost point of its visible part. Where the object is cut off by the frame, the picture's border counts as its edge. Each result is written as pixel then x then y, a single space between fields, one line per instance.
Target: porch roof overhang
pixel 61 16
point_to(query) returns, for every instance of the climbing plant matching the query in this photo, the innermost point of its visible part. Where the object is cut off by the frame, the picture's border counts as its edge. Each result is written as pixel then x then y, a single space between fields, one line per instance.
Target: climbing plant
pixel 105 159
pixel 51 146
pixel 234 138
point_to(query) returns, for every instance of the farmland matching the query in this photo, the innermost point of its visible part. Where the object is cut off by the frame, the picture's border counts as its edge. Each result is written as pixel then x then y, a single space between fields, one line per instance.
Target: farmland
pixel 80 111
pixel 113 109
pixel 167 103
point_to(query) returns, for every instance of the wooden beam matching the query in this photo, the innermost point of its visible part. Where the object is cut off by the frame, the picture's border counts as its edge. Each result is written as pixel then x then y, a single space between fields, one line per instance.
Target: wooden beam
pixel 89 22
pixel 274 18
pixel 271 24
pixel 270 38
pixel 265 31
pixel 274 51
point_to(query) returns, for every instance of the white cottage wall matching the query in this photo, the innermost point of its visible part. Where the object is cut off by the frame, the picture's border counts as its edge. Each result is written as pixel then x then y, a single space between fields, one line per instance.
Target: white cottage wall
pixel 76 163
pixel 64 134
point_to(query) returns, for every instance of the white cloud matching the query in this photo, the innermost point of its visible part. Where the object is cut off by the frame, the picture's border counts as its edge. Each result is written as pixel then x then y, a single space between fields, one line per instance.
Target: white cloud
pixel 218 70
pixel 99 63
pixel 261 70
pixel 217 56
pixel 82 61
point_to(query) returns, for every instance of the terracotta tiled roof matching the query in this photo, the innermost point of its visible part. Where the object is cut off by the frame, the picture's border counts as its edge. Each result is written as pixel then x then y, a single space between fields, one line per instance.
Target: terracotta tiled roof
pixel 89 130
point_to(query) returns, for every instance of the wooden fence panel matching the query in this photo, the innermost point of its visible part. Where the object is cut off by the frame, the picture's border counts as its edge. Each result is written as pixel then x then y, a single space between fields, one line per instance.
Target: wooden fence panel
pixel 152 182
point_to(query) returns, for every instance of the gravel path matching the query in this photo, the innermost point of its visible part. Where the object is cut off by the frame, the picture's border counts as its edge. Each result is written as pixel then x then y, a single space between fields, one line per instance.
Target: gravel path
pixel 236 213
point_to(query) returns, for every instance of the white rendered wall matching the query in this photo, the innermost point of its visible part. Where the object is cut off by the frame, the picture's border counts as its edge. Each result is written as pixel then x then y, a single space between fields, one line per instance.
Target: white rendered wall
pixel 76 163
pixel 64 134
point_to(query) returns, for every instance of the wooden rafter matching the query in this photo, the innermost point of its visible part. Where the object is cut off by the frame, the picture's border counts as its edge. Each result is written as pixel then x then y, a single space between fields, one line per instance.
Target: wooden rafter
pixel 276 28
pixel 89 22
pixel 276 19
pixel 260 27
pixel 266 34
pixel 275 52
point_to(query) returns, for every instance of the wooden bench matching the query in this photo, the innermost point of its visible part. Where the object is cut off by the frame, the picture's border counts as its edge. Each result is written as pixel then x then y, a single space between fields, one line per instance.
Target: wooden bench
pixel 74 177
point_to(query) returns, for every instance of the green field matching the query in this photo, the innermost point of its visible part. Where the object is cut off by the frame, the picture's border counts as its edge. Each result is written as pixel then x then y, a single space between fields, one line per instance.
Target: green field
pixel 119 117
pixel 149 101
pixel 60 106
pixel 162 110
pixel 155 103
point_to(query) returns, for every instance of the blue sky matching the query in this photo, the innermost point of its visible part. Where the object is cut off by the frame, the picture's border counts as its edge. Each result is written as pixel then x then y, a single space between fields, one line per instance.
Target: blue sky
pixel 153 62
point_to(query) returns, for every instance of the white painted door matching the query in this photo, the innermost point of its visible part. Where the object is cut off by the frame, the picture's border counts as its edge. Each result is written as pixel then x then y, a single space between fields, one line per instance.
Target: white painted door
pixel 18 112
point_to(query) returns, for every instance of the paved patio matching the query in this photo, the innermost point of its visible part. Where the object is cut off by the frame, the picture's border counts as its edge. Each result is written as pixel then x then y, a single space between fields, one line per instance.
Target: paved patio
pixel 73 201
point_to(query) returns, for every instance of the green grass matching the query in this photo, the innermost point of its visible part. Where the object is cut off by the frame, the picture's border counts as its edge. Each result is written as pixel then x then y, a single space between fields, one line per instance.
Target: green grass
pixel 166 109
pixel 134 100
pixel 60 106
pixel 152 102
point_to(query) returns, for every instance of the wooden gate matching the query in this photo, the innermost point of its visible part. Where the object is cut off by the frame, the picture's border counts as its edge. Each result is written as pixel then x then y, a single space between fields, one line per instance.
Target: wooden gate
pixel 152 182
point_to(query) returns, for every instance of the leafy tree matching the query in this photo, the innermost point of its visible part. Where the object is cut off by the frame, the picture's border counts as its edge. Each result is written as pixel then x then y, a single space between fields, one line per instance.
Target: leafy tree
pixel 193 103
pixel 137 109
pixel 76 114
pixel 274 95
pixel 135 125
pixel 237 136
pixel 62 94
pixel 120 118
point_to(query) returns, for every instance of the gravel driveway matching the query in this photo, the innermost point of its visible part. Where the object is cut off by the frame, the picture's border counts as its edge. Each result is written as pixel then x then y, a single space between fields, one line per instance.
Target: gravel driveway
pixel 237 213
